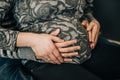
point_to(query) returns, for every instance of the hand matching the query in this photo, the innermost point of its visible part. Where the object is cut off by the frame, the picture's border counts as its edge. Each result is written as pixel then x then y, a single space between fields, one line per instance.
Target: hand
pixel 64 49
pixel 46 46
pixel 93 29
pixel 45 49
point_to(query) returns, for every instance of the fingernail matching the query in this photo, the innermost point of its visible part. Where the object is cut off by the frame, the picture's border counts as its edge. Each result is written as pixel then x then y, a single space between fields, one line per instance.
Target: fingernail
pixel 90 40
pixel 57 29
pixel 76 53
pixel 71 60
pixel 78 47
pixel 75 41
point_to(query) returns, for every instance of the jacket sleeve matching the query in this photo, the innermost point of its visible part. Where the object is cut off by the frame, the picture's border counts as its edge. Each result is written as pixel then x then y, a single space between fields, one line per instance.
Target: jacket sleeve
pixel 88 10
pixel 7 36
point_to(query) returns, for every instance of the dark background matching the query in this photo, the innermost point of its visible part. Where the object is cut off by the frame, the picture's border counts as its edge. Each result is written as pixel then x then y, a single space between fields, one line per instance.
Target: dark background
pixel 107 13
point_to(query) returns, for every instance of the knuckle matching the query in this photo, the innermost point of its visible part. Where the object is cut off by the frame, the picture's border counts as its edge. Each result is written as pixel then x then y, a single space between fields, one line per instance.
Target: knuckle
pixel 52 48
pixel 58 45
pixel 67 49
pixel 64 44
pixel 61 45
pixel 46 54
pixel 69 43
pixel 58 55
pixel 69 54
pixel 55 60
pixel 60 49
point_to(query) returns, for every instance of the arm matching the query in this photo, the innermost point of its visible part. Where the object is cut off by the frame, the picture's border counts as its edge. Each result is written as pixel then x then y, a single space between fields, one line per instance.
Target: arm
pixel 91 24
pixel 88 11
pixel 8 37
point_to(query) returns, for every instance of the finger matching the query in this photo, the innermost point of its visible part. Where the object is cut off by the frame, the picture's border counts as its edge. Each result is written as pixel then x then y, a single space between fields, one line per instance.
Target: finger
pixel 97 34
pixel 96 39
pixel 44 59
pixel 56 39
pixel 55 54
pixel 54 59
pixel 92 45
pixel 90 26
pixel 68 60
pixel 94 33
pixel 69 49
pixel 90 35
pixel 85 23
pixel 48 59
pixel 69 54
pixel 55 33
pixel 66 43
pixel 58 56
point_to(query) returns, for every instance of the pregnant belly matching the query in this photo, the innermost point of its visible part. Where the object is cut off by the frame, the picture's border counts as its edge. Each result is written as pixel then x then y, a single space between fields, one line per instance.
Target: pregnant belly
pixel 70 29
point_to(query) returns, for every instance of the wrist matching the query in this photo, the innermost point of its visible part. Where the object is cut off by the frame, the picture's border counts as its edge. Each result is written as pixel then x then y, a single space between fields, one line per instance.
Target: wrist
pixel 25 39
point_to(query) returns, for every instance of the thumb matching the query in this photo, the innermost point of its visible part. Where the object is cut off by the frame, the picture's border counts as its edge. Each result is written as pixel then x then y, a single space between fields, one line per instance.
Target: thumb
pixel 56 39
pixel 85 23
pixel 55 33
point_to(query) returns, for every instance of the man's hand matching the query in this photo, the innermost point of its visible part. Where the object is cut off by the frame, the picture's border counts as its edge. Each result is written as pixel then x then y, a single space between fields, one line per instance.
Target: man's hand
pixel 45 49
pixel 93 29
pixel 42 45
pixel 64 49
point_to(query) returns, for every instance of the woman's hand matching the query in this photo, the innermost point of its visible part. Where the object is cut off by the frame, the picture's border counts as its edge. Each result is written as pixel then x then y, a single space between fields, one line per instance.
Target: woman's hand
pixel 66 51
pixel 93 29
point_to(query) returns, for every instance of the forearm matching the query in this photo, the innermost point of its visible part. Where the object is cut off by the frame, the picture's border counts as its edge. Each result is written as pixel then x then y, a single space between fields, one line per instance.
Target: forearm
pixel 10 39
pixel 24 39
pixel 88 11
pixel 23 51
